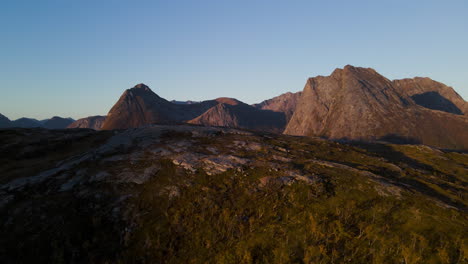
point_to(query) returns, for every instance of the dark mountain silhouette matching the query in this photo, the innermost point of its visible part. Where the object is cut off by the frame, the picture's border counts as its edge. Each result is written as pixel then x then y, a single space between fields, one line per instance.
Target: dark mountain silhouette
pixel 4 121
pixel 358 103
pixel 285 103
pixel 93 122
pixel 25 122
pixel 57 122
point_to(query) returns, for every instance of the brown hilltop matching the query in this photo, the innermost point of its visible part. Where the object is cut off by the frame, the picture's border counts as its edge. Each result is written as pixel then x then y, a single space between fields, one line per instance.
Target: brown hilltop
pixel 359 103
pixel 228 101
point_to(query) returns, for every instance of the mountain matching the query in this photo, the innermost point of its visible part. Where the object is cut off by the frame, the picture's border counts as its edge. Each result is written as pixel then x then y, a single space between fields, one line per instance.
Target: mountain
pixel 140 106
pixel 433 95
pixel 4 121
pixel 285 103
pixel 93 122
pixel 191 194
pixel 57 122
pixel 26 123
pixel 360 104
pixel 235 114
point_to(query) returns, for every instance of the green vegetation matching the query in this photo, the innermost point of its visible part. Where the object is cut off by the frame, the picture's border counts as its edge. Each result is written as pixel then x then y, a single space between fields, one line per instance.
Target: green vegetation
pixel 227 219
pixel 379 204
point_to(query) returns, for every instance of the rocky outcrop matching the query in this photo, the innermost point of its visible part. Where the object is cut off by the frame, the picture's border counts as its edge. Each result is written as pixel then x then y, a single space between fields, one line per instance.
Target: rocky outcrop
pixel 285 103
pixel 432 95
pixel 360 104
pixel 93 122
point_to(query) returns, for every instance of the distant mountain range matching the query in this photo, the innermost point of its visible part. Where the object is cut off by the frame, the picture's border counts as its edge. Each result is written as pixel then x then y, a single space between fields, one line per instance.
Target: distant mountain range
pixel 352 103
pixel 55 122
pixel 140 106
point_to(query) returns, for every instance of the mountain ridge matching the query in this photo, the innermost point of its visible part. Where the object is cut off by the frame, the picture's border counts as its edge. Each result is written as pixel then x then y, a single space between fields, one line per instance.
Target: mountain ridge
pixel 360 104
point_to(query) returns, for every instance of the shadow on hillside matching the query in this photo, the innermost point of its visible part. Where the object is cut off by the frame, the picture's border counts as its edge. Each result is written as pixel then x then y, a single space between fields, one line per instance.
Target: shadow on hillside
pixel 412 183
pixel 397 139
pixel 392 155
pixel 435 101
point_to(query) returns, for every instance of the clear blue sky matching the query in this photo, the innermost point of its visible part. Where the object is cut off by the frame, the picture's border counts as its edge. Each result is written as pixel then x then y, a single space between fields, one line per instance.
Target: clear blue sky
pixel 75 57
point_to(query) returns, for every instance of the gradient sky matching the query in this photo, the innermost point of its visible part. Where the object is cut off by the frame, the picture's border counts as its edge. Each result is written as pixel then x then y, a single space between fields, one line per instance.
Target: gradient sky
pixel 74 58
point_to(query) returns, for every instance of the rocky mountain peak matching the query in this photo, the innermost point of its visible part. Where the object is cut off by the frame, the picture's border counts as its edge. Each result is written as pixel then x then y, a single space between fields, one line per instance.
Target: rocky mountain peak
pixel 142 86
pixel 359 103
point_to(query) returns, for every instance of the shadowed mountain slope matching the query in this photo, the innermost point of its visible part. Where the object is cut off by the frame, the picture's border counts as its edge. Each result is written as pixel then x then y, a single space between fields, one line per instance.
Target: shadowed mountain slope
pixel 285 103
pixel 26 123
pixel 433 95
pixel 235 114
pixel 57 122
pixel 358 103
pixel 4 121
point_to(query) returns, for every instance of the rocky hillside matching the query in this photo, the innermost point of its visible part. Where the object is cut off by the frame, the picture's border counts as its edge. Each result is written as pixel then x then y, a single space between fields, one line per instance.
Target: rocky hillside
pixel 93 122
pixel 285 103
pixel 358 103
pixel 184 194
pixel 433 95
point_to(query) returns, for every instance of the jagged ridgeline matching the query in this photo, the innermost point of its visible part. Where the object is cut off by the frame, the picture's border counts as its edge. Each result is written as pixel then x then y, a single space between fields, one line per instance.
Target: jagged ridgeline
pixel 360 104
pixel 352 103
pixel 192 194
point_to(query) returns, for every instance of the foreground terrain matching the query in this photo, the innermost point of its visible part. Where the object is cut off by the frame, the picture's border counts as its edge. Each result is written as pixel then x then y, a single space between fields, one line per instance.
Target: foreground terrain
pixel 189 194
